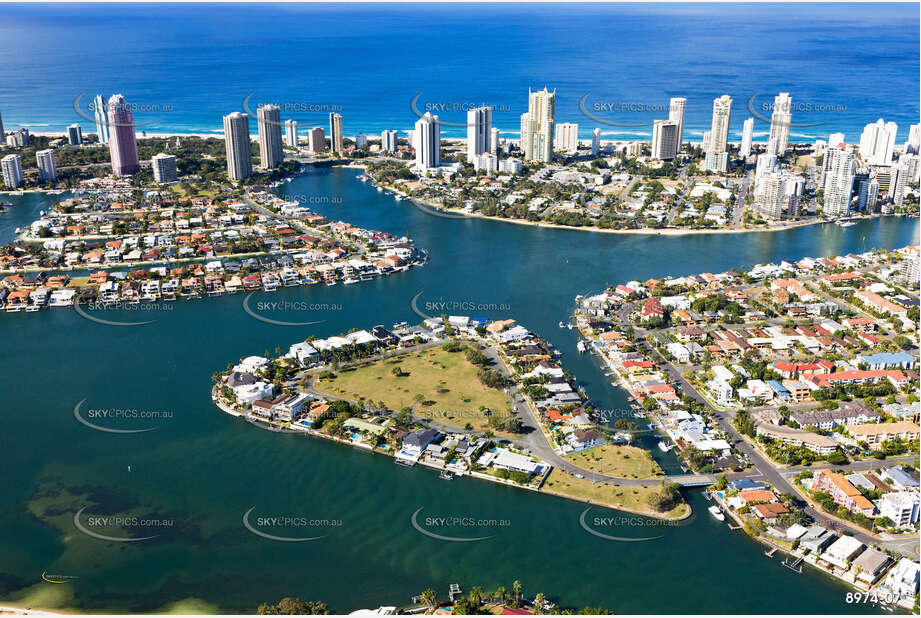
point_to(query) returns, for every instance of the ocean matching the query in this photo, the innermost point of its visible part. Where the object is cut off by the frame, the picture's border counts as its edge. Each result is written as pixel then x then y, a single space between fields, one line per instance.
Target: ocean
pixel 183 66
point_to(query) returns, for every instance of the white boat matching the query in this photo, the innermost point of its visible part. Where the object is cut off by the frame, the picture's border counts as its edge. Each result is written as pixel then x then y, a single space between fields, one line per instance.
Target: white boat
pixel 350 281
pixel 380 190
pixel 845 223
pixel 562 325
pixel 580 346
pixel 717 513
pixel 663 447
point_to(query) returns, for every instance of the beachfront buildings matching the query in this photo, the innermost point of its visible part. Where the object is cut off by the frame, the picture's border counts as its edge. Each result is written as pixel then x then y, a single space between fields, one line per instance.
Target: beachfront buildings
pixel 11 166
pixel 537 126
pixel 316 140
pixel 123 146
pixel 164 168
pixel 839 181
pixel 676 107
pixel 46 167
pixel 479 129
pixel 335 132
pixel 74 135
pixel 389 140
pixel 717 159
pixel 665 139
pixel 102 122
pixel 291 133
pixel 596 141
pixel 877 142
pixel 268 117
pixel 780 122
pixel 427 142
pixel 237 146
pixel 566 137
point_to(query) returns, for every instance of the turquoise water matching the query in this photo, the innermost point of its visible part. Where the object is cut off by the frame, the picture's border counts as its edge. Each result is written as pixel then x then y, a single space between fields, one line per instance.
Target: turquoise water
pixel 202 470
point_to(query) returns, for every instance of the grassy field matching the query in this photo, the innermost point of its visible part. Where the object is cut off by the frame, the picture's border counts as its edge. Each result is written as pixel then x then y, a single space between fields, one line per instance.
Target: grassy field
pixel 631 499
pixel 437 384
pixel 623 461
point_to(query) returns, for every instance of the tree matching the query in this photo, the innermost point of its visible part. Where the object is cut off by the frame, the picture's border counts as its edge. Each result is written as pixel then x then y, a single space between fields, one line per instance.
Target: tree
pixel 429 598
pixel 476 596
pixel 666 498
pixel 539 601
pixel 293 606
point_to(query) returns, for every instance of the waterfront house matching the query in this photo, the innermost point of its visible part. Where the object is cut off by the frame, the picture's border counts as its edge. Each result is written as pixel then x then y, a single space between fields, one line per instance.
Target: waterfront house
pixel 817 539
pixel 507 460
pixel 902 579
pixel 754 496
pixel 745 484
pixel 304 353
pixel 870 565
pixel 416 442
pixel 769 512
pixel 263 408
pixel 290 406
pixel 840 553
pixel 582 439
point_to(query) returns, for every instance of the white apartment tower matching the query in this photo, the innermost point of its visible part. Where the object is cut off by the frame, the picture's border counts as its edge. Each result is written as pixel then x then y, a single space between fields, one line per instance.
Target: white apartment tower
pixel 237 146
pixel 780 121
pixel 877 142
pixel 537 126
pixel 596 141
pixel 566 137
pixel 291 133
pixel 102 122
pixel 748 131
pixel 46 167
pixel 11 166
pixel 912 146
pixel 494 141
pixel 389 140
pixel 676 107
pixel 839 181
pixel 427 142
pixel 164 168
pixel 335 132
pixel 479 130
pixel 664 139
pixel 270 152
pixel 717 156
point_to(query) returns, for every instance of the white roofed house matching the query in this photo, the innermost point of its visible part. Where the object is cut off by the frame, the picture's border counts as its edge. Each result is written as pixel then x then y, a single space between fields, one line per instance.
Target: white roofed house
pixel 902 580
pixel 303 353
pixel 508 460
pixel 842 552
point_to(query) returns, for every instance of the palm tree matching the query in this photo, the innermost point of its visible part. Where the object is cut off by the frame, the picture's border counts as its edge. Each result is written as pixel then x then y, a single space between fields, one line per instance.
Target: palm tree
pixel 476 596
pixel 539 601
pixel 429 597
pixel 516 586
